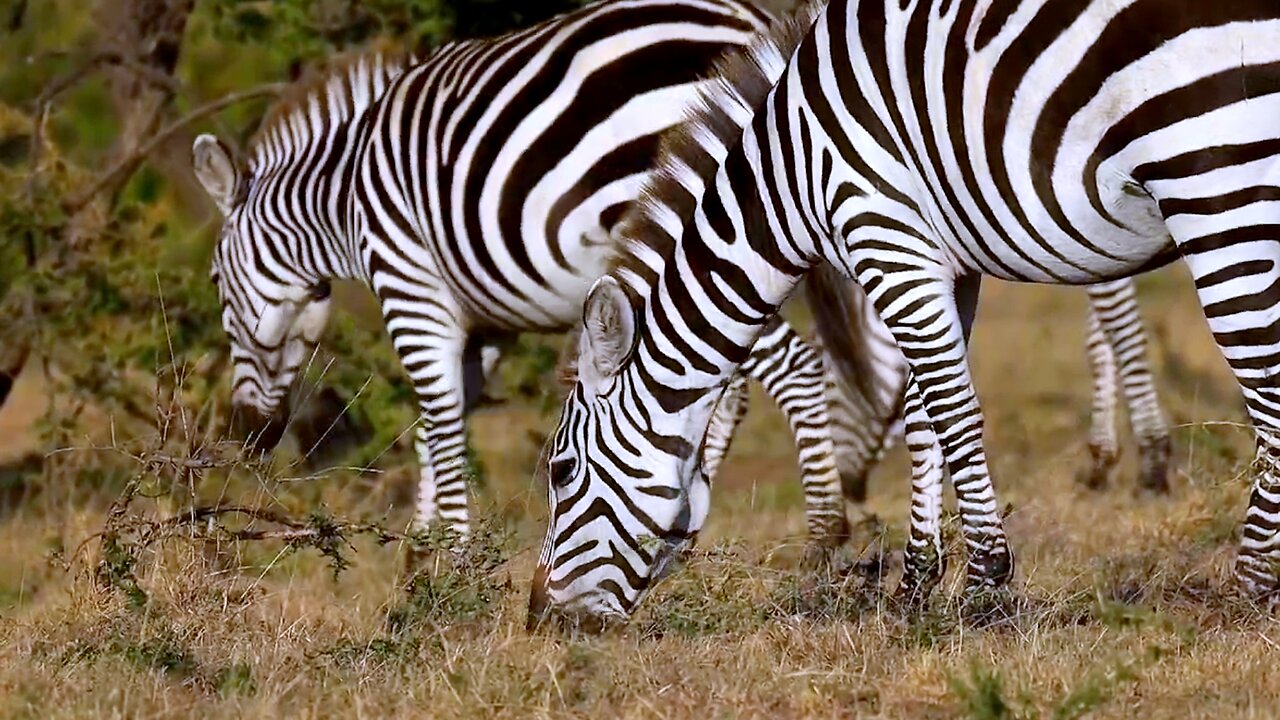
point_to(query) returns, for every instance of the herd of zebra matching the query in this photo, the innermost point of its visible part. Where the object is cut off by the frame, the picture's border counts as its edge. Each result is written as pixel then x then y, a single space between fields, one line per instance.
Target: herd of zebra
pixel 657 176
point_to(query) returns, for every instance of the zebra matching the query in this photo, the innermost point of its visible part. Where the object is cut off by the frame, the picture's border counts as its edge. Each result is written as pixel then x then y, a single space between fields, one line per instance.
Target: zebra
pixel 916 146
pixel 475 192
pixel 1116 348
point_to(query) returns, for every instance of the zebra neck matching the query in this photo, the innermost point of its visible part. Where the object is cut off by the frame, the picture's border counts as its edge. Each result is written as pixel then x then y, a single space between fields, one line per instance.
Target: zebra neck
pixel 702 314
pixel 306 195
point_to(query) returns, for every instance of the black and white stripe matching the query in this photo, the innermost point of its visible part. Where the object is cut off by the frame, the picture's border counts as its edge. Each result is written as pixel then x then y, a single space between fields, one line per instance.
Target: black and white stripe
pixel 862 427
pixel 476 192
pixel 918 145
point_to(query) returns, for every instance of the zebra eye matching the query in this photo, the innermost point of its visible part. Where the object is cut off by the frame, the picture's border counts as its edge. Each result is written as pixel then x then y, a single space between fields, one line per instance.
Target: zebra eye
pixel 321 290
pixel 561 472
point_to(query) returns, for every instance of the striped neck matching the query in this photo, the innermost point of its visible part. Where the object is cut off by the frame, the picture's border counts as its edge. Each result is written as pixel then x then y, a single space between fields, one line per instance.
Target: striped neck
pixel 302 165
pixel 703 304
pixel 718 245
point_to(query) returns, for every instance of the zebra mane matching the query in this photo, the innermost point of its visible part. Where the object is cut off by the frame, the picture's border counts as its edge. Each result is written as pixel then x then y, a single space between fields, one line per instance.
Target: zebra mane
pixel 738 85
pixel 327 96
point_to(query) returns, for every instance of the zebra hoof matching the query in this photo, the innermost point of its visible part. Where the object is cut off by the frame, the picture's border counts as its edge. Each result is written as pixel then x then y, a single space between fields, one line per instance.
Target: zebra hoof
pixel 990 570
pixel 987 606
pixel 1098 473
pixel 818 557
pixel 821 548
pixel 922 571
pixel 822 553
pixel 416 559
pixel 1153 475
pixel 1258 581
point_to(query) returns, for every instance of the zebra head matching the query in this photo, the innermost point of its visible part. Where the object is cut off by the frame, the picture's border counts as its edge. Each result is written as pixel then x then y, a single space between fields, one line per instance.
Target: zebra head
pixel 273 317
pixel 626 490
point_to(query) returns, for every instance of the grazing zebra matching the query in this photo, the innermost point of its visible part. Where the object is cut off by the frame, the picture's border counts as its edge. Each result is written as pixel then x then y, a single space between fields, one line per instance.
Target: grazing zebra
pixel 918 145
pixel 1118 360
pixel 475 191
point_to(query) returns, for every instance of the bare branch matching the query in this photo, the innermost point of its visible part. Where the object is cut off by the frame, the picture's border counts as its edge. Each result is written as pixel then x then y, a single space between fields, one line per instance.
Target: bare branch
pixel 129 163
pixel 290 528
pixel 97 60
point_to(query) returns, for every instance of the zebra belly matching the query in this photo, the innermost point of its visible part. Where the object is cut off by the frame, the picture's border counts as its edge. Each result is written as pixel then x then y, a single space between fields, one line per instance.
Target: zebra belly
pixel 1092 247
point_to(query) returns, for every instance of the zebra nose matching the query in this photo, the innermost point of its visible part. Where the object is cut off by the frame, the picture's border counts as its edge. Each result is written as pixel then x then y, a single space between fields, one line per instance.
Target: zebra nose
pixel 539 600
pixel 545 615
pixel 260 433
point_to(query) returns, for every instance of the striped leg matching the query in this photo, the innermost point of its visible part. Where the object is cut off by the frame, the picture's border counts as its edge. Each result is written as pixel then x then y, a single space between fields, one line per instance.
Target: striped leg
pixel 1104 447
pixel 1239 288
pixel 794 376
pixel 925 561
pixel 724 424
pixel 1231 244
pixel 442 443
pixel 1115 305
pixel 930 318
pixel 431 348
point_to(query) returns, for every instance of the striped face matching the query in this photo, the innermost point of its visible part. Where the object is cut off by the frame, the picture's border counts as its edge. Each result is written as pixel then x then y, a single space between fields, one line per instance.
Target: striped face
pixel 626 490
pixel 273 317
pixel 274 326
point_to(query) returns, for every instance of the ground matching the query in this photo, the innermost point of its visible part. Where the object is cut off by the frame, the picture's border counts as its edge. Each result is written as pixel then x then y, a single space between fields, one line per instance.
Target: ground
pixel 1120 608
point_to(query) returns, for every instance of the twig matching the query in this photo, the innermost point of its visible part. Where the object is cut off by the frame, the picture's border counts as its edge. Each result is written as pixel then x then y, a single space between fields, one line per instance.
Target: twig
pixel 291 530
pixel 129 162
pixel 92 63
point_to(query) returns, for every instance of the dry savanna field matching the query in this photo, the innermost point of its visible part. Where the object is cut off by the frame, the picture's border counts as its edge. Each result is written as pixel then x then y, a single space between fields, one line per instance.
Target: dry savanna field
pixel 1121 605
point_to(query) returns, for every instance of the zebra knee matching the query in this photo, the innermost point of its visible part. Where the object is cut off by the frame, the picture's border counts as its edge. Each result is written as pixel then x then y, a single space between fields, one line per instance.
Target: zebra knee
pixel 854 486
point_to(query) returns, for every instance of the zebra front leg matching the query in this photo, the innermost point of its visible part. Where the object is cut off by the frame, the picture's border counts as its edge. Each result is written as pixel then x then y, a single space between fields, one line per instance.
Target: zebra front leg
pixel 1115 306
pixel 431 348
pixel 1104 447
pixel 792 373
pixel 924 562
pixel 929 315
pixel 442 450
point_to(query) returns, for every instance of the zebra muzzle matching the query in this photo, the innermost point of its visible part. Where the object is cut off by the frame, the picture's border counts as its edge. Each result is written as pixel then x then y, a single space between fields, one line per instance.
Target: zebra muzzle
pixel 260 433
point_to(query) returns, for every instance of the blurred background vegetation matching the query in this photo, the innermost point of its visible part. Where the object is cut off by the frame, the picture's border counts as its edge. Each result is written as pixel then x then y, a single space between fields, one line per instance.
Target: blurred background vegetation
pixel 105 237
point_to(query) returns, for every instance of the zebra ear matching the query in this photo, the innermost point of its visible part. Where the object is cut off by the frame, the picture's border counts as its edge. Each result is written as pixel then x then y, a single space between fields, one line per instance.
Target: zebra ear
pixel 216 171
pixel 608 332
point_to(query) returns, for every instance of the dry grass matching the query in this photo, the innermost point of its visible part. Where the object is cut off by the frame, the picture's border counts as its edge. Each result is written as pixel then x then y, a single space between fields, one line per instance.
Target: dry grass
pixel 1119 609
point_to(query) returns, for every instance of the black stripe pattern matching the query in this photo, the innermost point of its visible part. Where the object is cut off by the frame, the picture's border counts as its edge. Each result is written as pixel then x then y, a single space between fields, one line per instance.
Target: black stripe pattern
pixel 918 145
pixel 477 191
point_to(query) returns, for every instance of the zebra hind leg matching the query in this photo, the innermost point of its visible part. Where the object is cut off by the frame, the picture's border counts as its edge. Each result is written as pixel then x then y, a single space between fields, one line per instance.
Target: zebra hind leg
pixel 728 415
pixel 1114 305
pixel 1237 279
pixel 1103 444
